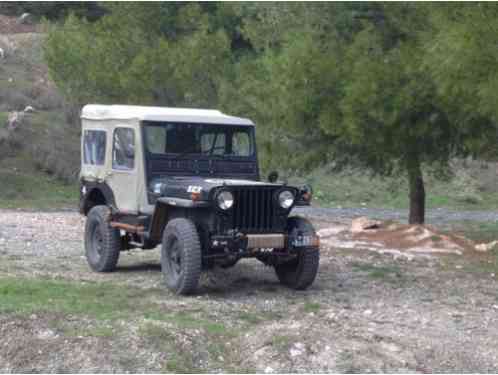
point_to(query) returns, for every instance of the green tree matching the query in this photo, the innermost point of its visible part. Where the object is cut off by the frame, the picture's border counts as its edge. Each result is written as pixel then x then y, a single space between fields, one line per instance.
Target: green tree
pixel 391 112
pixel 462 60
pixel 157 53
pixel 361 88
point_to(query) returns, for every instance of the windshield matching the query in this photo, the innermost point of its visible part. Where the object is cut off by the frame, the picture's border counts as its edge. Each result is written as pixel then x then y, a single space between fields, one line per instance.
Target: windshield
pixel 198 139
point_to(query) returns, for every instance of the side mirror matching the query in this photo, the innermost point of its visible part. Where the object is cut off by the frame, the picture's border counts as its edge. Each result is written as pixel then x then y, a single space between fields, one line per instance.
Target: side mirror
pixel 273 177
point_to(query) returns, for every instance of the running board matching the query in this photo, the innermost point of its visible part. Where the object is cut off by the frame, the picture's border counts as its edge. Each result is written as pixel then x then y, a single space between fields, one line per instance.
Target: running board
pixel 138 229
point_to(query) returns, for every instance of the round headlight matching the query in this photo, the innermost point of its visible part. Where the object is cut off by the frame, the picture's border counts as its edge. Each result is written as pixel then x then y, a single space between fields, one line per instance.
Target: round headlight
pixel 286 199
pixel 225 200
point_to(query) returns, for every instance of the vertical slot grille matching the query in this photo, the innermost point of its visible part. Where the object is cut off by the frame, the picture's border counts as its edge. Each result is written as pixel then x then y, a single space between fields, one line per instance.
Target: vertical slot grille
pixel 254 210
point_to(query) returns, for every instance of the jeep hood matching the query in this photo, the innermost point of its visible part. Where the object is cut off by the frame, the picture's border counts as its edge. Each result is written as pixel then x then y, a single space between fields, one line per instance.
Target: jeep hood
pixel 183 187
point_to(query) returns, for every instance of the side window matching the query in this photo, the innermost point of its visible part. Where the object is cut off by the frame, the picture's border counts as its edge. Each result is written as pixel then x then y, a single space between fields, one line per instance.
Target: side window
pixel 123 149
pixel 241 144
pixel 94 147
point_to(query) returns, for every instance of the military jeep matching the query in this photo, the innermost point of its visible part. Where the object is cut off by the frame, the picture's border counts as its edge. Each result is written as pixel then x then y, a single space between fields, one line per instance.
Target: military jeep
pixel 187 179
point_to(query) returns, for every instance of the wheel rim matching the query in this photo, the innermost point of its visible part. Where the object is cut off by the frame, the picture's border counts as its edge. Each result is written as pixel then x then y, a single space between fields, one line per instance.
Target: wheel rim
pixel 97 243
pixel 175 257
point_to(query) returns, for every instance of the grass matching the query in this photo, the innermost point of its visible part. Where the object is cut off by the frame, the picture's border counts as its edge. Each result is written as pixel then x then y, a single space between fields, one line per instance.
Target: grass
pixel 310 307
pixel 385 273
pixel 106 306
pixel 101 329
pixel 188 321
pixel 435 238
pixel 477 231
pixel 100 301
pixel 212 344
pixel 3 118
pixel 162 339
pixel 473 185
pixel 24 186
pixel 281 342
pixel 251 318
pixel 35 191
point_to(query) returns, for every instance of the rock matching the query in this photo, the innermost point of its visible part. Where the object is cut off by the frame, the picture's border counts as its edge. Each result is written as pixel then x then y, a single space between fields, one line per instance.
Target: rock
pixel 367 312
pixel 10 80
pixel 269 370
pixel 261 352
pixel 297 349
pixel 364 223
pixel 29 109
pixel 390 347
pixel 25 19
pixel 14 120
pixel 299 345
pixel 295 352
pixel 486 246
pixel 2 53
pixel 331 231
pixel 46 334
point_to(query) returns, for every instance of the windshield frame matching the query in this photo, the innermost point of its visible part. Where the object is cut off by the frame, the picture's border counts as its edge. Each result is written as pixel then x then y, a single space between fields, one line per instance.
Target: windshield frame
pixel 200 155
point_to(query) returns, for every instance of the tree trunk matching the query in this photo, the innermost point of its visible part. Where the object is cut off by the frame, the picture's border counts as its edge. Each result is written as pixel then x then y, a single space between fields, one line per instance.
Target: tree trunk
pixel 417 192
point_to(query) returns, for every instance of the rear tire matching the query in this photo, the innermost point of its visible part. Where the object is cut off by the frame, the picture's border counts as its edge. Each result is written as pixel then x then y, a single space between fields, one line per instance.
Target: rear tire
pixel 299 273
pixel 181 256
pixel 102 242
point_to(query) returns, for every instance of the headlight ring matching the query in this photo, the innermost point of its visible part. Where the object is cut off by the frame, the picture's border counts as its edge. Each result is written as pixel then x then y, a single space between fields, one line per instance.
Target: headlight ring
pixel 286 199
pixel 225 200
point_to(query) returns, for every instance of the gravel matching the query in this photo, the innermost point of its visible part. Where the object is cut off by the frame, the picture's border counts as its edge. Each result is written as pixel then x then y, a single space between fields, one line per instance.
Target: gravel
pixel 366 312
pixel 433 216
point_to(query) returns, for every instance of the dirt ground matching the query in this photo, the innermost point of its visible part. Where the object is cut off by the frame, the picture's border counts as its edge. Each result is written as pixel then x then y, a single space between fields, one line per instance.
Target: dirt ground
pixel 366 312
pixel 11 25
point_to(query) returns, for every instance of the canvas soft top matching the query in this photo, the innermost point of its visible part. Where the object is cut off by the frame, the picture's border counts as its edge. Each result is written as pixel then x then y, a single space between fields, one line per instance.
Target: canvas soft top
pixel 141 113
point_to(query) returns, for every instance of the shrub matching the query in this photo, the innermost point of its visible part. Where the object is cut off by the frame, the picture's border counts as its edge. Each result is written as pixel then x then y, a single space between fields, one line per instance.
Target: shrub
pixel 12 100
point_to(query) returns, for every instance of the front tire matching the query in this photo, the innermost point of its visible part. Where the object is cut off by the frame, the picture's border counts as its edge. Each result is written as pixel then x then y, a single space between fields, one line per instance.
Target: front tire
pixel 102 242
pixel 181 256
pixel 300 272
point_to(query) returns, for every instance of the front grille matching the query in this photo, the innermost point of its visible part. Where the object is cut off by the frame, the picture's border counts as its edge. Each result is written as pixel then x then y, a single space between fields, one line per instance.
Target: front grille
pixel 254 209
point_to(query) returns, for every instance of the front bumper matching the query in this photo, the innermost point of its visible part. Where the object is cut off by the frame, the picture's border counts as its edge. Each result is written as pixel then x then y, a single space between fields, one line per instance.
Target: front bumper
pixel 242 242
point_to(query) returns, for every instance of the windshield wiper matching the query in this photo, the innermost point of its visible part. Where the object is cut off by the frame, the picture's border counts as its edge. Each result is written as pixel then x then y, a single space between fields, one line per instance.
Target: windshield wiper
pixel 217 156
pixel 185 153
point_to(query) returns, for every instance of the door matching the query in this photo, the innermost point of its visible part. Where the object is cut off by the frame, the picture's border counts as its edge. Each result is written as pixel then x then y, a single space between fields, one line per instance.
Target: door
pixel 122 178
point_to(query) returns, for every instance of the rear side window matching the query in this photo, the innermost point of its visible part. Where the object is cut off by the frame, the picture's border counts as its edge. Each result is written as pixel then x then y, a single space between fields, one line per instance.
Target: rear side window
pixel 94 147
pixel 123 149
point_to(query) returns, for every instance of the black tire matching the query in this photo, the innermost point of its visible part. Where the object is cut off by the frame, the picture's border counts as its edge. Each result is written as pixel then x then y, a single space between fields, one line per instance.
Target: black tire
pixel 102 242
pixel 299 273
pixel 181 256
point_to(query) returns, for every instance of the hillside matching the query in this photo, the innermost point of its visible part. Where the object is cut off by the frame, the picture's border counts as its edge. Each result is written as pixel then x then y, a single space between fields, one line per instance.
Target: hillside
pixel 39 158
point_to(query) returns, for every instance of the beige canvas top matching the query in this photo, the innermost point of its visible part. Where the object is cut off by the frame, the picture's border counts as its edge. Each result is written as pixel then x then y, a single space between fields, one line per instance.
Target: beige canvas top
pixel 141 113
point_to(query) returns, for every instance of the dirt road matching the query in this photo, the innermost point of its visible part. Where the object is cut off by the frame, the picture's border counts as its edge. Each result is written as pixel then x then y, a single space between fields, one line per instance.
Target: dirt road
pixel 366 312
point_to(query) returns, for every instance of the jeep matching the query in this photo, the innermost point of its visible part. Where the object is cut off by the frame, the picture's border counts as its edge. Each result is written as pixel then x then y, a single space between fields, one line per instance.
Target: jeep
pixel 188 180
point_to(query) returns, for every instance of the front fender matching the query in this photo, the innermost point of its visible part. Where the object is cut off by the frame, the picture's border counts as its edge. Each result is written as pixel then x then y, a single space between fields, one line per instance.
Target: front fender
pixel 167 208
